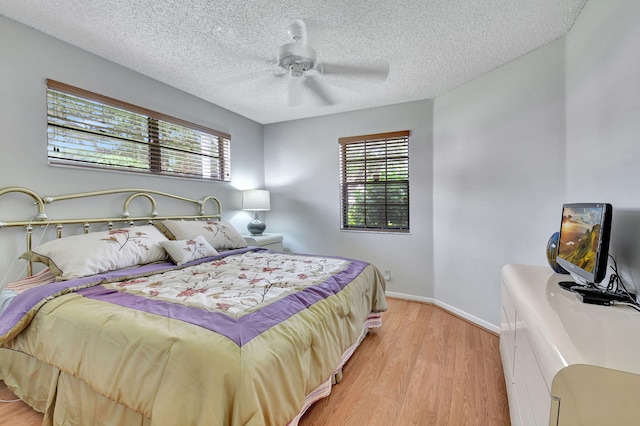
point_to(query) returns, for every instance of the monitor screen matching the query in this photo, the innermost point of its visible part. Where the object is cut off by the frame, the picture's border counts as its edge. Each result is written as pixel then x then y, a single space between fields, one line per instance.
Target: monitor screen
pixel 583 245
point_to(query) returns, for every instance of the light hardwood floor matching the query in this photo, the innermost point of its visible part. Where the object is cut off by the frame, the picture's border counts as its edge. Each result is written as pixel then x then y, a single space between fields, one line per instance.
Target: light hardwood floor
pixel 425 366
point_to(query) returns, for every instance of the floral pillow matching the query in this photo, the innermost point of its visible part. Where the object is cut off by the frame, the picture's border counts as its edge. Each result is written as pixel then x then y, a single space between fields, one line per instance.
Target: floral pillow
pixel 221 235
pixel 97 252
pixel 183 251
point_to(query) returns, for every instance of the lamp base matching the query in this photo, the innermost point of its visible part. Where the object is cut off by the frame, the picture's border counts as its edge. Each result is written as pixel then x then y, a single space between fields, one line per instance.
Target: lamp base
pixel 256 227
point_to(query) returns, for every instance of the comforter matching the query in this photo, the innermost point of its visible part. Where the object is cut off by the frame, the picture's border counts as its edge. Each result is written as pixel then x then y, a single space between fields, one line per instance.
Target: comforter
pixel 239 339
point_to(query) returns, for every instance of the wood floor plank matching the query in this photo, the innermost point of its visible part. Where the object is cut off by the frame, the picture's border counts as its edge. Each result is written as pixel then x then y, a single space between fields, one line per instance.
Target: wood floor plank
pixel 16 413
pixel 424 366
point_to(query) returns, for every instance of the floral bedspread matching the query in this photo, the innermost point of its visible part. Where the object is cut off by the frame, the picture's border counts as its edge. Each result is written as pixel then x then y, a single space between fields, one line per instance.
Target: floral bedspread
pixel 235 284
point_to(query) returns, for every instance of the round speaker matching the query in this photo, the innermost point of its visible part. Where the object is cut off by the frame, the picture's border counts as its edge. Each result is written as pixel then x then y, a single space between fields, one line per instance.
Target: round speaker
pixel 552 253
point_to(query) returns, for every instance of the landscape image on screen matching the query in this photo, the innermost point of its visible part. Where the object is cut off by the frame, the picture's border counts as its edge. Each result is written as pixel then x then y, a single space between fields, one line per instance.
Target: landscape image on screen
pixel 579 236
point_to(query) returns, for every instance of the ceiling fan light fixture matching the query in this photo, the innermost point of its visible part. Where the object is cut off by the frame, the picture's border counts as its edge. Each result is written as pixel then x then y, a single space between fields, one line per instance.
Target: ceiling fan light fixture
pixel 296 70
pixel 296 58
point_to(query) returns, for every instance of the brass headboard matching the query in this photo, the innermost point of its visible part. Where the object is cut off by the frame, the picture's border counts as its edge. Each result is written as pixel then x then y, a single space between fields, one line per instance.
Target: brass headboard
pixel 41 217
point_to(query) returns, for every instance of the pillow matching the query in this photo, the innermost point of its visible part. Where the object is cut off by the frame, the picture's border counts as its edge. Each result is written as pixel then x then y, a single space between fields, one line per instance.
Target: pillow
pixel 43 277
pixel 221 235
pixel 183 251
pixel 96 252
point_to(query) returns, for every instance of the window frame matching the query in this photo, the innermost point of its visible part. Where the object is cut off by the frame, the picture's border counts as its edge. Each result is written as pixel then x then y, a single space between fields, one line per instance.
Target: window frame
pixel 192 159
pixel 359 178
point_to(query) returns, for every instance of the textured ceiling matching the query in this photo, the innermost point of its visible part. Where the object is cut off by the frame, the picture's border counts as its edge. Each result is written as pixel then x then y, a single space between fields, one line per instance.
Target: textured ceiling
pixel 224 51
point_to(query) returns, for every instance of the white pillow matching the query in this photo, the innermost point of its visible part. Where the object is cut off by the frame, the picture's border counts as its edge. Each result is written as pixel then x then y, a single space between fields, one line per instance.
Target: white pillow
pixel 183 251
pixel 96 252
pixel 221 235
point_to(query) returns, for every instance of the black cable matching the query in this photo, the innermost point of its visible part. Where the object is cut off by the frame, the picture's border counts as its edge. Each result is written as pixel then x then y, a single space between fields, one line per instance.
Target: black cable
pixel 614 278
pixel 617 286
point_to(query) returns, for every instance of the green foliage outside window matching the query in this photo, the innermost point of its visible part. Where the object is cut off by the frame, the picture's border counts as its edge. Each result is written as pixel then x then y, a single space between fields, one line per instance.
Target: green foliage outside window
pixel 90 130
pixel 375 182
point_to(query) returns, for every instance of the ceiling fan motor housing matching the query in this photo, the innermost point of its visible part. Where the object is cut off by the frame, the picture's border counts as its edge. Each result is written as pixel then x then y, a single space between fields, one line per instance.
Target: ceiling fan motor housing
pixel 296 58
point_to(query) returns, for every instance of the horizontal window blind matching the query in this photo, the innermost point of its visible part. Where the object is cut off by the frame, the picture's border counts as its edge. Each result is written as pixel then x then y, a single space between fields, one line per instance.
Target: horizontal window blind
pixel 86 129
pixel 375 182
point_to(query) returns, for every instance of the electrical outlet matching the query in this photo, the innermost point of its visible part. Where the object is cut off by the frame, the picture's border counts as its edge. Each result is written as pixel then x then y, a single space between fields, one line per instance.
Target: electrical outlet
pixel 387 274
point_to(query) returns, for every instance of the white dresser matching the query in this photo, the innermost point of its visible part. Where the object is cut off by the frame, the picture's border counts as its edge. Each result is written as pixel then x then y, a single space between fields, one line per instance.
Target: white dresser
pixel 566 362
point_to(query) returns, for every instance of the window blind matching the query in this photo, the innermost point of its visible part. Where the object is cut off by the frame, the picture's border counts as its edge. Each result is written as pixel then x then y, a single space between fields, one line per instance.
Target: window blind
pixel 374 182
pixel 86 129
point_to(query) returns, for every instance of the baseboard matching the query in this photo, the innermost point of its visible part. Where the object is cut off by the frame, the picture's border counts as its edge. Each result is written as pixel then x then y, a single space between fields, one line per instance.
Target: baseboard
pixel 464 315
pixel 471 318
pixel 410 297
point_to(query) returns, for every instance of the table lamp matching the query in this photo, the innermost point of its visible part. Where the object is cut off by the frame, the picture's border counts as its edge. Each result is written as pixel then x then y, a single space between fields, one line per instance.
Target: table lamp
pixel 256 200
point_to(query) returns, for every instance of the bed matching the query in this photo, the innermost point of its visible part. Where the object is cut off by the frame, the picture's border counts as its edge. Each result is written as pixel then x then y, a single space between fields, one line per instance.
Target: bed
pixel 173 320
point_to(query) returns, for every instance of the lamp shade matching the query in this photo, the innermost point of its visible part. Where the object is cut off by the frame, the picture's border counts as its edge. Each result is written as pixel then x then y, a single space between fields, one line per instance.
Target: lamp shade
pixel 256 200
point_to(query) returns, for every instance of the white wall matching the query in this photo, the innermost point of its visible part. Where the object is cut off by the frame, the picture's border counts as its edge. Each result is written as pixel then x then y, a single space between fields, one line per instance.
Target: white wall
pixel 302 171
pixel 28 59
pixel 499 157
pixel 603 120
pixel 558 125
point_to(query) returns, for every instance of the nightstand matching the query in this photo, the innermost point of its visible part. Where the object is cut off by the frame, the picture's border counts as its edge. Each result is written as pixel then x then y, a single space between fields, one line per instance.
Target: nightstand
pixel 268 241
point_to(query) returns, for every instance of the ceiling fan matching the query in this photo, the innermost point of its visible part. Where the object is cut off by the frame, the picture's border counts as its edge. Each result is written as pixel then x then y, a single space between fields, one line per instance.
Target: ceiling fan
pixel 297 62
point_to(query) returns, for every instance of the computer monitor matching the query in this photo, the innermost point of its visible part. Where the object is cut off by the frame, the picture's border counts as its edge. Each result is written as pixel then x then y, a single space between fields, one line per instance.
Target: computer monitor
pixel 583 246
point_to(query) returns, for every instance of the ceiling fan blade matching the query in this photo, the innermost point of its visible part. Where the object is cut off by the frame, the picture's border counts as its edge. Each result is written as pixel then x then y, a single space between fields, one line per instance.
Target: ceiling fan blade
pixel 252 76
pixel 317 90
pixel 236 79
pixel 294 92
pixel 376 71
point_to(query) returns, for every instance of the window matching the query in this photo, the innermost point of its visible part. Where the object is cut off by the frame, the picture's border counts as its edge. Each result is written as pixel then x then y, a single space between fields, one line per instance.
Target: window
pixel 374 180
pixel 86 129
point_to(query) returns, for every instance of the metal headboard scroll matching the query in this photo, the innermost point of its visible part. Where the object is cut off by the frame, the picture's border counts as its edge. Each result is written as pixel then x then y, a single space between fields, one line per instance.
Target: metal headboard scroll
pixel 41 217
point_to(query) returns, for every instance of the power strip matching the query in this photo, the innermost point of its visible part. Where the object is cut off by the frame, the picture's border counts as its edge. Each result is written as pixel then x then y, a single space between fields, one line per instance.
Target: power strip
pixel 598 297
pixel 594 299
